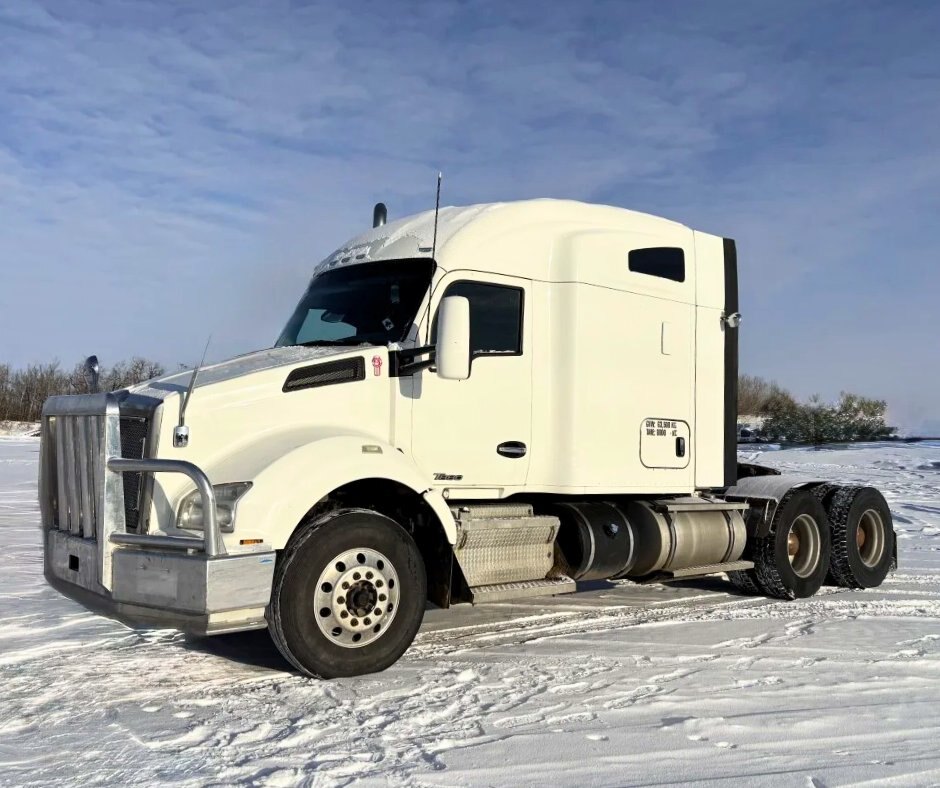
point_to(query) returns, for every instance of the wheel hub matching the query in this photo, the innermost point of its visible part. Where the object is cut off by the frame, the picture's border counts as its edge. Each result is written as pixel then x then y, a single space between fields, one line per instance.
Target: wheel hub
pixel 870 538
pixel 361 598
pixel 793 544
pixel 356 597
pixel 804 545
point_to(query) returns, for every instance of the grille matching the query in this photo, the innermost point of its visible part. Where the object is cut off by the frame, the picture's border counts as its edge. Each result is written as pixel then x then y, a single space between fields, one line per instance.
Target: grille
pixel 134 431
pixel 72 445
pixel 72 449
pixel 326 374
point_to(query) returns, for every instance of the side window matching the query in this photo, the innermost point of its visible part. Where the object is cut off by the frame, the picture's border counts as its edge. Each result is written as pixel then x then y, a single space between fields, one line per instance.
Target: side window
pixel 495 317
pixel 664 261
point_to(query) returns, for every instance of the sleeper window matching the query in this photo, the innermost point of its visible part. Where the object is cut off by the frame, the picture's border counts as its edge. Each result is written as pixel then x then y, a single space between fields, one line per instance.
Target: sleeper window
pixel 666 262
pixel 495 317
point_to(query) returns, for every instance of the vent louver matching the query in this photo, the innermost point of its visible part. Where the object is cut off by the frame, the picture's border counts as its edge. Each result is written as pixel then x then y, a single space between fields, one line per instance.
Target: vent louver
pixel 327 374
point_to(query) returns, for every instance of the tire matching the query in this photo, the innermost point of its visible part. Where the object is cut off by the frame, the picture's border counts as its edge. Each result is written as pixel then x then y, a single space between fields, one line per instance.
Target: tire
pixel 314 619
pixel 863 538
pixel 800 519
pixel 745 581
pixel 823 493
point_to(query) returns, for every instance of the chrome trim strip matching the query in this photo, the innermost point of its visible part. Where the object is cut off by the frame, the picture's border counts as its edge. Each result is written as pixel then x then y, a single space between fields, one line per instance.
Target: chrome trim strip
pixel 62 508
pixel 85 471
pixel 154 540
pixel 96 439
pixel 71 478
pixel 45 475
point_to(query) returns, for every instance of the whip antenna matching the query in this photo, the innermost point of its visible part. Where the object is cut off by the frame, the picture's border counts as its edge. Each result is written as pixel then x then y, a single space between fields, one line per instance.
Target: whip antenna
pixel 437 210
pixel 181 431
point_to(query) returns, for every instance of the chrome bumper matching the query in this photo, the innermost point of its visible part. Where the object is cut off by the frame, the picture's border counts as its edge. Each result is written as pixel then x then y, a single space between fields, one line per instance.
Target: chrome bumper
pixel 189 591
pixel 179 581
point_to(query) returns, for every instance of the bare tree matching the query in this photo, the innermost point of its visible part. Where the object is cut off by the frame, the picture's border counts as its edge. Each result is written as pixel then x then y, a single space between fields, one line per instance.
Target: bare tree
pixel 23 391
pixel 757 396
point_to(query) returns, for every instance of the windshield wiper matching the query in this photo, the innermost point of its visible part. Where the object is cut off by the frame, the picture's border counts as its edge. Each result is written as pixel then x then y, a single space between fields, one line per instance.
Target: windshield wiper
pixel 328 342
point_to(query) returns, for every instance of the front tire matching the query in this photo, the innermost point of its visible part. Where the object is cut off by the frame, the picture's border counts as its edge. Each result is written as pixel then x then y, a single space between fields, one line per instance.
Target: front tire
pixel 349 595
pixel 791 562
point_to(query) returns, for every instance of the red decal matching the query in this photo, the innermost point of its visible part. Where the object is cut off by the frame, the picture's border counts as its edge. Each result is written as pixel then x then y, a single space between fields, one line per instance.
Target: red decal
pixel 377 365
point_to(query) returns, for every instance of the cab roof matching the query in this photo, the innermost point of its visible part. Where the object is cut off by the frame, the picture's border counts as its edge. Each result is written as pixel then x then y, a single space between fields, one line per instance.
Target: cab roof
pixel 474 227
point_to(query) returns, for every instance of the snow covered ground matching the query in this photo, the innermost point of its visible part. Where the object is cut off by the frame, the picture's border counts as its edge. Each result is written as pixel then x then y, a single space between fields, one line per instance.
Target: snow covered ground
pixel 620 685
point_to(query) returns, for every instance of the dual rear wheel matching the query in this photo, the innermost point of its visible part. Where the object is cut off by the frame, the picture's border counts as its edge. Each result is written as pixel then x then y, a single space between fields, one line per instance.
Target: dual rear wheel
pixel 843 533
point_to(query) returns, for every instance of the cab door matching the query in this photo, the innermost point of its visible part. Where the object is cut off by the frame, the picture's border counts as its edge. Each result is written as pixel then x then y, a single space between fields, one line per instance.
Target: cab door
pixel 476 433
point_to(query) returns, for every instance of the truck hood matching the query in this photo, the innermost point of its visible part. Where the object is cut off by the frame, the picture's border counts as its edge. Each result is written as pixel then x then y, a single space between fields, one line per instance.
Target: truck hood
pixel 240 366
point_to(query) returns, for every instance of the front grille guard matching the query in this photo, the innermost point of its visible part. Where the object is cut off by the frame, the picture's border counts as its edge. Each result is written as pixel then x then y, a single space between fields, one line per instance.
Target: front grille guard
pixel 81 489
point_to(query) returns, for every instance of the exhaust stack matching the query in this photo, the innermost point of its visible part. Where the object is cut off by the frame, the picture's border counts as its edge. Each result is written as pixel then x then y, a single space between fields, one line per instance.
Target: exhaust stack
pixel 379 214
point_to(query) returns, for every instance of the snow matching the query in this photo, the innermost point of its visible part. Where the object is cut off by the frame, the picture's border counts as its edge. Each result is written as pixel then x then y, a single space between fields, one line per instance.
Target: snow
pixel 618 685
pixel 12 429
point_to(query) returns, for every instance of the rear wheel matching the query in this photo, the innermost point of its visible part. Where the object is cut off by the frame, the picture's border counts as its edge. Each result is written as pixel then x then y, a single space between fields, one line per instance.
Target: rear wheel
pixel 791 562
pixel 745 581
pixel 349 595
pixel 863 539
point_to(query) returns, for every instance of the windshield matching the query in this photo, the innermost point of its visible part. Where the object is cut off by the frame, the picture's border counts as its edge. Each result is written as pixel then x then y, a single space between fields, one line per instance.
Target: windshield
pixel 372 303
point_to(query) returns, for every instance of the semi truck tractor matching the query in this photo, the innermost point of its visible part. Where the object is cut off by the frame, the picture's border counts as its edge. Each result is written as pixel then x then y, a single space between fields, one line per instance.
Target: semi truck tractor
pixel 468 405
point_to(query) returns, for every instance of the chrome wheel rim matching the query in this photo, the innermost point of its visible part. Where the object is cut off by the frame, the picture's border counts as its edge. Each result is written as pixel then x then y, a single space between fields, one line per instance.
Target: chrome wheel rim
pixel 803 545
pixel 870 537
pixel 356 597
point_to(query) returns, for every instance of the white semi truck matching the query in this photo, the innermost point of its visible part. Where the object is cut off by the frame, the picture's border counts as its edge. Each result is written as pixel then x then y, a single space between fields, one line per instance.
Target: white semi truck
pixel 494 402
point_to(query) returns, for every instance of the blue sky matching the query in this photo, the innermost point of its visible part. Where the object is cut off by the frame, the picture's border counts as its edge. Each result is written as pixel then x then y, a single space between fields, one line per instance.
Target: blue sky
pixel 168 170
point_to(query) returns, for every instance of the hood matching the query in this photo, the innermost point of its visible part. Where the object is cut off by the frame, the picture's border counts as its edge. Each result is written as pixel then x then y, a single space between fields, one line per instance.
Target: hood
pixel 178 382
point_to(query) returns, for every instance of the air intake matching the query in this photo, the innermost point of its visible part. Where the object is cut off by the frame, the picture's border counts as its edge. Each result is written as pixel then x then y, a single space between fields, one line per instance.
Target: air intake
pixel 328 374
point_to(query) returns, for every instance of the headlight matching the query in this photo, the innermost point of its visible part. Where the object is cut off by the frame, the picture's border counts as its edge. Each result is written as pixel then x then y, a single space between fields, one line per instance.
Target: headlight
pixel 189 515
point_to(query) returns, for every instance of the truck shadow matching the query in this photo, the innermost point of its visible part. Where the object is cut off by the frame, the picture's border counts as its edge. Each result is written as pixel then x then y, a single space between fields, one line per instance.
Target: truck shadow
pixel 710 583
pixel 254 648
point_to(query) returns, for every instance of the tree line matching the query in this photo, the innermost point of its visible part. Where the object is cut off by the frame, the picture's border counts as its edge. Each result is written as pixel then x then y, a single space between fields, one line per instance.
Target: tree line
pixel 23 391
pixel 852 418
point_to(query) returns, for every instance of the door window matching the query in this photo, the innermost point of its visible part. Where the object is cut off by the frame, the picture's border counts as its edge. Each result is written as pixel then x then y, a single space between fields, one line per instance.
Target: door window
pixel 495 317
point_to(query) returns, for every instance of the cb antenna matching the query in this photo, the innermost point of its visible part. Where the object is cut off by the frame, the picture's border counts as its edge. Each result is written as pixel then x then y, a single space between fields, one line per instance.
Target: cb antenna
pixel 437 210
pixel 181 431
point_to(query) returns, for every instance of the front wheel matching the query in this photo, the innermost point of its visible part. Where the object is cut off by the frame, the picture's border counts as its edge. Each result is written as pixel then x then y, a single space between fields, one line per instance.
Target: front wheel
pixel 349 595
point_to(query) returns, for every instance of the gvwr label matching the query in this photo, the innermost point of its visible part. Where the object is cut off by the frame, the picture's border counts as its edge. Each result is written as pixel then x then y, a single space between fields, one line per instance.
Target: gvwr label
pixel 662 428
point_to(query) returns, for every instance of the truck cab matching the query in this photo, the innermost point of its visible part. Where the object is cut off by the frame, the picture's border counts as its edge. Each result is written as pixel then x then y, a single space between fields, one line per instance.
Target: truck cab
pixel 466 405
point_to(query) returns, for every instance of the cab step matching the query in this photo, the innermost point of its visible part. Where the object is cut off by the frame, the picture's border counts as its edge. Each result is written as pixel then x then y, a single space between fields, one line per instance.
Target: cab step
pixel 504 544
pixel 696 571
pixel 500 592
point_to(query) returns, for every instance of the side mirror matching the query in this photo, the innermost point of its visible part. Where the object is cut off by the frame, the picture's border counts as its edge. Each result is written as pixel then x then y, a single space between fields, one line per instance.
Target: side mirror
pixel 91 371
pixel 452 356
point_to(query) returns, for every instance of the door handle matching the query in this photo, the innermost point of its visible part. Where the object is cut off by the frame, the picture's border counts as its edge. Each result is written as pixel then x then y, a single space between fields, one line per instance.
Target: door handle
pixel 512 449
